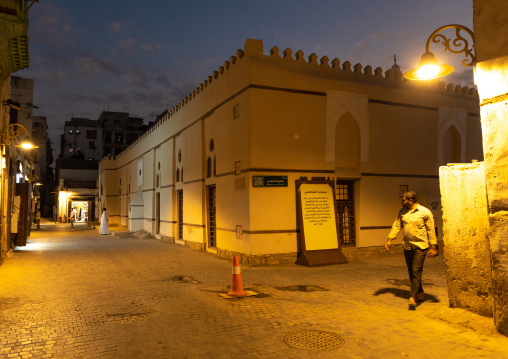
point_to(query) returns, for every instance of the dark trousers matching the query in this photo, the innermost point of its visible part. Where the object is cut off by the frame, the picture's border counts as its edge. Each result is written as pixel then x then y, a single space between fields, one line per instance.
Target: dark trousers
pixel 415 258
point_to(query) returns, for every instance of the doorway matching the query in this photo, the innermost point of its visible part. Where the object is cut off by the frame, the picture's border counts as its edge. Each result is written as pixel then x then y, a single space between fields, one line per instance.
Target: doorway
pixel 345 202
pixel 180 213
pixel 158 213
pixel 212 221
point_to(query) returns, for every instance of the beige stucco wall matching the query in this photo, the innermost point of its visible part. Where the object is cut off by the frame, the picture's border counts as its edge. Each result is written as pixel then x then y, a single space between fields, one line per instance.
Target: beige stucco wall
pixel 286 108
pixel 467 249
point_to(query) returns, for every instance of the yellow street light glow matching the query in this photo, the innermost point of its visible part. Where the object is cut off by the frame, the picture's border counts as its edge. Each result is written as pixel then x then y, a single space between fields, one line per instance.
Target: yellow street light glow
pixel 27 145
pixel 428 69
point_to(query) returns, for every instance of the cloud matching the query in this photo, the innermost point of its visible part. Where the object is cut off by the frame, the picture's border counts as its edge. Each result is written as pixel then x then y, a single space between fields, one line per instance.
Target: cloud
pixel 137 76
pixel 376 35
pixel 91 66
pixel 355 58
pixel 462 78
pixel 361 44
pixel 147 47
pixel 49 77
pixel 117 28
pixel 52 26
pixel 163 79
pixel 127 44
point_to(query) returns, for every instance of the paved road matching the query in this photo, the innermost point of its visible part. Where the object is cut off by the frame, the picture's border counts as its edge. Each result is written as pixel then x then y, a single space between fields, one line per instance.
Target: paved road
pixel 84 295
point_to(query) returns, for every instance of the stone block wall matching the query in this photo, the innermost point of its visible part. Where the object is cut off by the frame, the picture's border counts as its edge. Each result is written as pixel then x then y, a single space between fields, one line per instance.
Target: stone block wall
pixel 490 20
pixel 499 248
pixel 466 237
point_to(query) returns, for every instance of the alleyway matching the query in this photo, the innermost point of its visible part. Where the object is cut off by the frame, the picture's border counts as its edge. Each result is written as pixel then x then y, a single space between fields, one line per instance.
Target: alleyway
pixel 83 295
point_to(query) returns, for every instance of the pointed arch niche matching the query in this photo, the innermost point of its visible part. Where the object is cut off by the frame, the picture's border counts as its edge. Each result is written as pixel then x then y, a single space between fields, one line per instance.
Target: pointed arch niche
pixel 347 112
pixel 452 135
pixel 347 147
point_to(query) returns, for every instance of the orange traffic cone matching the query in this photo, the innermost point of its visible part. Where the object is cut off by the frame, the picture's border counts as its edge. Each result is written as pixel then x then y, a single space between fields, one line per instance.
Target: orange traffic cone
pixel 236 281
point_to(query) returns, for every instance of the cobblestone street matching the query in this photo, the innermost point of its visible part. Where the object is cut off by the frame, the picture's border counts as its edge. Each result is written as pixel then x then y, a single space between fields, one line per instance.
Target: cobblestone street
pixel 84 295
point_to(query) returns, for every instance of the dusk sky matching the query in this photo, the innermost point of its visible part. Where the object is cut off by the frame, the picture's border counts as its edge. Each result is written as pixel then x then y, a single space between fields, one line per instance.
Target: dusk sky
pixel 143 57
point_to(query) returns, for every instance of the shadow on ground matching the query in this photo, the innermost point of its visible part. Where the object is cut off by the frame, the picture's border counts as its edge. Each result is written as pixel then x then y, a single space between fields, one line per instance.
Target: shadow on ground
pixel 402 293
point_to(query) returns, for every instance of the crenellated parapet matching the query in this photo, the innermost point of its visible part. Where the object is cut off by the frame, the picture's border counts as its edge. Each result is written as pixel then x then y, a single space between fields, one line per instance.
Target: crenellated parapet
pixel 332 69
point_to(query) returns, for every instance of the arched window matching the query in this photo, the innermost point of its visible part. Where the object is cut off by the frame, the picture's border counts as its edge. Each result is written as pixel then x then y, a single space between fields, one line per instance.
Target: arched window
pixel 157 181
pixel 177 175
pixel 214 166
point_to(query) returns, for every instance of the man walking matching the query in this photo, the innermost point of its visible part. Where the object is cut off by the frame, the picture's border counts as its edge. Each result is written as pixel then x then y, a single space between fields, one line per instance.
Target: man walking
pixel 72 218
pixel 38 219
pixel 417 224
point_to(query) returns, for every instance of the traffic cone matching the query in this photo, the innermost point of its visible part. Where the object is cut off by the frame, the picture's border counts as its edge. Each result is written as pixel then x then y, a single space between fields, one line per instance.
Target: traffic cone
pixel 236 280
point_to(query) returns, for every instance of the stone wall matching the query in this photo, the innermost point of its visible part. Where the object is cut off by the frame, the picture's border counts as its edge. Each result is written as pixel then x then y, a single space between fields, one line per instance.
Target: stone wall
pixel 465 229
pixel 491 76
pixel 499 248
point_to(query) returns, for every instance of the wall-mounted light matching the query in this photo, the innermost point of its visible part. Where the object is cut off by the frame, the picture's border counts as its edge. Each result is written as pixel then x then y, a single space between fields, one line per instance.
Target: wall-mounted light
pixel 429 68
pixel 12 104
pixel 35 180
pixel 12 132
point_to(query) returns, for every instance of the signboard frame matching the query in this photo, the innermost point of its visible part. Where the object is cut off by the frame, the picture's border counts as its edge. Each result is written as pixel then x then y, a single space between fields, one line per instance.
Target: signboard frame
pixel 315 222
pixel 269 181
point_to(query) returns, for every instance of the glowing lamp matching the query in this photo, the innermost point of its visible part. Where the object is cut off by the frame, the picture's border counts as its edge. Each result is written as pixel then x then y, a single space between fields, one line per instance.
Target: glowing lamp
pixel 428 69
pixel 27 145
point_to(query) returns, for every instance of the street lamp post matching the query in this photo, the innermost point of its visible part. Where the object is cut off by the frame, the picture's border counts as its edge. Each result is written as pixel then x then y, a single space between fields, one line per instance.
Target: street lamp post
pixel 429 68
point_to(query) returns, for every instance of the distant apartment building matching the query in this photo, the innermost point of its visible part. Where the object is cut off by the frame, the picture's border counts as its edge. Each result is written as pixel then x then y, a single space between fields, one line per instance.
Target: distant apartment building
pixel 82 139
pixel 43 158
pixel 83 144
pixel 119 131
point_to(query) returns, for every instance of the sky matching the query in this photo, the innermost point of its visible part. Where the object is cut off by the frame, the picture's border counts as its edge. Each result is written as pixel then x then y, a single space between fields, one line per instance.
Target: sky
pixel 143 57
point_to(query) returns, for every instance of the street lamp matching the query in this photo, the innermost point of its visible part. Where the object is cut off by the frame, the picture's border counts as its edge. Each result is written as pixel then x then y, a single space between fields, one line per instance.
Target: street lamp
pixel 35 180
pixel 13 131
pixel 429 68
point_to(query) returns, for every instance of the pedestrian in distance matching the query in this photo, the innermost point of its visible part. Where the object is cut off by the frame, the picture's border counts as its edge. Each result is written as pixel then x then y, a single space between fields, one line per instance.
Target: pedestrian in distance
pixel 419 240
pixel 38 219
pixel 104 228
pixel 72 218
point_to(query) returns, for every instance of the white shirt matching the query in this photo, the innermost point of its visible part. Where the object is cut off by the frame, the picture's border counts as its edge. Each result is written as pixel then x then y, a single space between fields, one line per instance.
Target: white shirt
pixel 418 227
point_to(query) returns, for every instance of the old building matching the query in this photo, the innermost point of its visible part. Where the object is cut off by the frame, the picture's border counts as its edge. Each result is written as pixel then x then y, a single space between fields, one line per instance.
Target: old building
pixel 13 57
pixel 43 158
pixel 83 143
pixel 82 139
pixel 203 175
pixel 119 130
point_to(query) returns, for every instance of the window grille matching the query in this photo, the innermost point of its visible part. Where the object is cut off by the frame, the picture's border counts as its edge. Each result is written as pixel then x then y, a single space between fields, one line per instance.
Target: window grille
pixel 345 202
pixel 212 221
pixel 180 214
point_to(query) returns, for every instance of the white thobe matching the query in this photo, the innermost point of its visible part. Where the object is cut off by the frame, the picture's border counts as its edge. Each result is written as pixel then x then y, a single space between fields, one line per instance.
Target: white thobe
pixel 104 223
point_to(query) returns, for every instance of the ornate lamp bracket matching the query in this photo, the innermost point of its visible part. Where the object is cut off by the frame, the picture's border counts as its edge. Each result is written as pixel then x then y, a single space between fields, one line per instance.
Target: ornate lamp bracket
pixel 458 45
pixel 13 131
